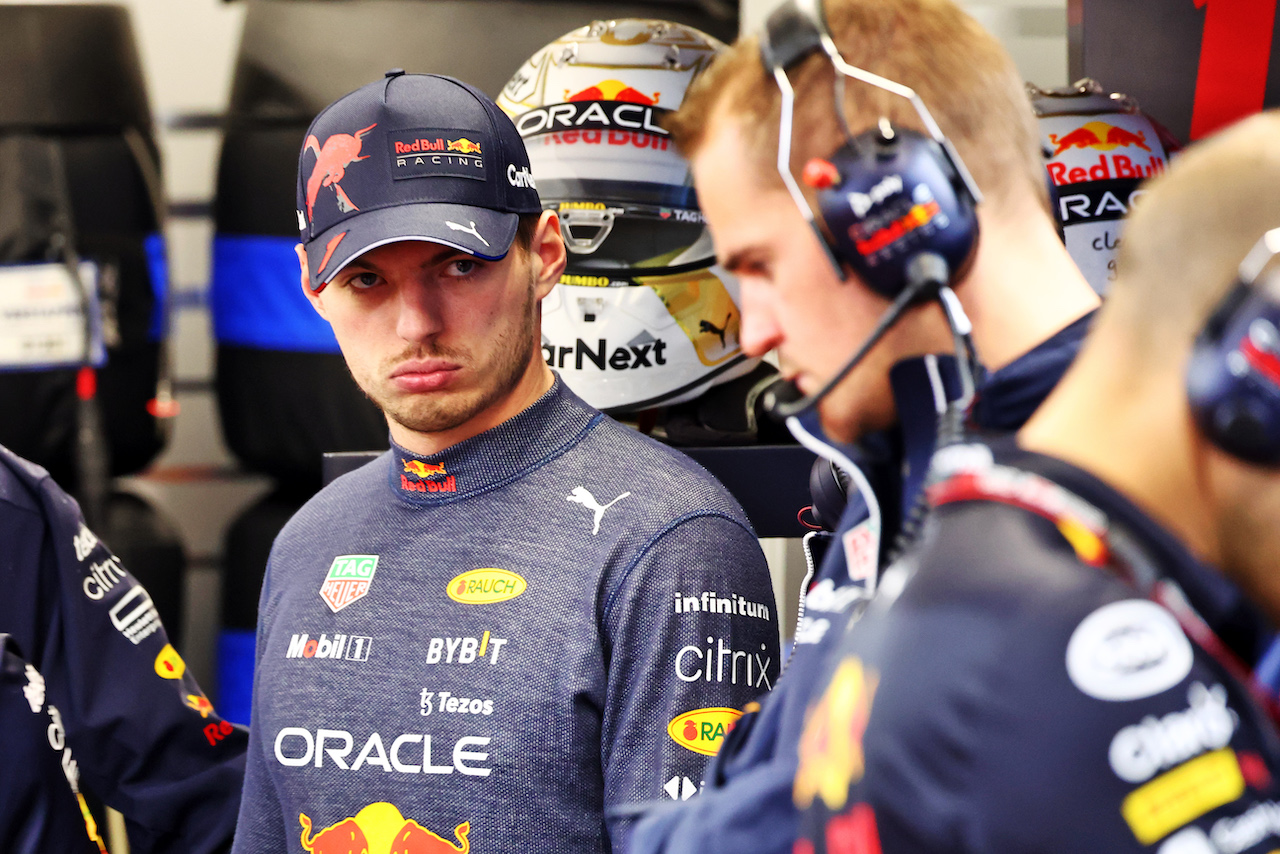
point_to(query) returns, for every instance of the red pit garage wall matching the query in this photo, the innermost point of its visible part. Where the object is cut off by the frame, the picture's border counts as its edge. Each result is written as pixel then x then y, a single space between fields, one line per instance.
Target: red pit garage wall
pixel 1193 65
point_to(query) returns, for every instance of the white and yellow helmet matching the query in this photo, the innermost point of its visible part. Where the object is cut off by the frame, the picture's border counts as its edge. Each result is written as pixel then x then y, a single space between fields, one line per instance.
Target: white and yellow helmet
pixel 642 317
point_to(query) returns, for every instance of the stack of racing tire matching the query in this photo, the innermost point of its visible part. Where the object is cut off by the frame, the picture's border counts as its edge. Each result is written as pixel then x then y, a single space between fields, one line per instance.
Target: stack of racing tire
pixel 84 388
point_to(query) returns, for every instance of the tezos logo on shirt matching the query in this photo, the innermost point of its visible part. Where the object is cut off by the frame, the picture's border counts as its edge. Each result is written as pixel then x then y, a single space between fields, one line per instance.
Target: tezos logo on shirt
pixel 348 580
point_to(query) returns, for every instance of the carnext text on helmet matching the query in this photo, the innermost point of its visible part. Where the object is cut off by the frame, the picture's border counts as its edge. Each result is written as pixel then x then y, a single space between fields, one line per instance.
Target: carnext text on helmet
pixel 620 358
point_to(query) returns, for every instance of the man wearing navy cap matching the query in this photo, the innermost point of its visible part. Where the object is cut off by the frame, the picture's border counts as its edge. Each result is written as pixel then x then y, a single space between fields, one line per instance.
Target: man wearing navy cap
pixel 521 615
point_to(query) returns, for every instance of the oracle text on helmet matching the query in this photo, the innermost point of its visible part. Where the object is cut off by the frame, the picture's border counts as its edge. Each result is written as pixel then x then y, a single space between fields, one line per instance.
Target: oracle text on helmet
pixel 590 114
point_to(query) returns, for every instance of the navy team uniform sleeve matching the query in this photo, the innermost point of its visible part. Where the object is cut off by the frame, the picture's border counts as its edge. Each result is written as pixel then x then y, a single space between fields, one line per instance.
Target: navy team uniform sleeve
pixel 143 736
pixel 692 637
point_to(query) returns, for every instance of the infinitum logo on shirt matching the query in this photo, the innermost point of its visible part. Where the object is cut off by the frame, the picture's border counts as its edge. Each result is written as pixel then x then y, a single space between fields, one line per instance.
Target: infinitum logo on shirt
pixel 348 580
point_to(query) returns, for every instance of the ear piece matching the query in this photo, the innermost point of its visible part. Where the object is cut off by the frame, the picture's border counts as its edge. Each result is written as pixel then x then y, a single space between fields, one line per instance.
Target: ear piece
pixel 895 197
pixel 1233 377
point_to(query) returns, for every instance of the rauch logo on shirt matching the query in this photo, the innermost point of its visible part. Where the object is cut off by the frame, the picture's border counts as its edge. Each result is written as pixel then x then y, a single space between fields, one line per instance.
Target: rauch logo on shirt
pixel 703 730
pixel 485 586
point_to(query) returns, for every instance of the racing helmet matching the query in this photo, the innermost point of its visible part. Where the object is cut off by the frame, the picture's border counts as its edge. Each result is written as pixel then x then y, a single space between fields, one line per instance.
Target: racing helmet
pixel 1098 148
pixel 642 317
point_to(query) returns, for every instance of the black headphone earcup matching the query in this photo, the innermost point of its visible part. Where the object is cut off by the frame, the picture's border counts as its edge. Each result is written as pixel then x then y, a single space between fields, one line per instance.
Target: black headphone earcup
pixel 898 195
pixel 1234 408
pixel 829 492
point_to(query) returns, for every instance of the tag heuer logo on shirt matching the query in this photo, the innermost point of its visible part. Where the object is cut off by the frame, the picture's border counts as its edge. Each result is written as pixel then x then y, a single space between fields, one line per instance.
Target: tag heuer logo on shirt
pixel 348 580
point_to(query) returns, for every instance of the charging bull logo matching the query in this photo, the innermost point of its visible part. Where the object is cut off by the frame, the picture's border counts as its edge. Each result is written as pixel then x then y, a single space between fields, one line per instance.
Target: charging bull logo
pixel 612 90
pixel 1098 135
pixel 381 829
pixel 332 159
pixel 464 145
pixel 831 757
pixel 423 470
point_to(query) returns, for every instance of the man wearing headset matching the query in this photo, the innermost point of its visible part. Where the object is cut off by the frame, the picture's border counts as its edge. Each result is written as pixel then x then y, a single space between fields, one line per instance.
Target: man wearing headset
pixel 1028 303
pixel 1064 664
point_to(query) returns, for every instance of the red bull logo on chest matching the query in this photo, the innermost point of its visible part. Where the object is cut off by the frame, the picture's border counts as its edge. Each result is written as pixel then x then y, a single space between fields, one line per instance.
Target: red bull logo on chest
pixel 381 829
pixel 348 579
pixel 426 474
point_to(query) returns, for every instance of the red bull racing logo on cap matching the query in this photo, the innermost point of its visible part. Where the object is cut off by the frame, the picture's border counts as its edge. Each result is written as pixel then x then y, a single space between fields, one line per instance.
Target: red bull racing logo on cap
pixel 485 586
pixel 332 159
pixel 381 829
pixel 437 153
pixel 703 730
pixel 348 579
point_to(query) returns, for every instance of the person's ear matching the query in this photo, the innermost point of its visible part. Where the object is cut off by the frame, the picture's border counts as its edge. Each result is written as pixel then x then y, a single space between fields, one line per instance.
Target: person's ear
pixel 548 253
pixel 312 296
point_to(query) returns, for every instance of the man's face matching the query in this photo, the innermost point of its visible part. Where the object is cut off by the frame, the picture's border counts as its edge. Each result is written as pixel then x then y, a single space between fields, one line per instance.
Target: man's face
pixel 444 343
pixel 792 299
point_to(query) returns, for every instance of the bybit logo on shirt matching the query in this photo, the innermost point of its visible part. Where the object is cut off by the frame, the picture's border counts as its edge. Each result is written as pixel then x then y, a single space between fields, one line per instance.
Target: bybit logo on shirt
pixel 464 650
pixel 485 586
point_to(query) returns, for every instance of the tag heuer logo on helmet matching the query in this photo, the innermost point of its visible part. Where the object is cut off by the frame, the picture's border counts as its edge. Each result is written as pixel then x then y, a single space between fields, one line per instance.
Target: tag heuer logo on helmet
pixel 348 580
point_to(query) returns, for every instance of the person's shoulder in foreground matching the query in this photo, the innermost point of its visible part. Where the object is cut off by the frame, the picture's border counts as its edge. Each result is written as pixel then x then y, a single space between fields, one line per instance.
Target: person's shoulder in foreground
pixel 93 694
pixel 1065 663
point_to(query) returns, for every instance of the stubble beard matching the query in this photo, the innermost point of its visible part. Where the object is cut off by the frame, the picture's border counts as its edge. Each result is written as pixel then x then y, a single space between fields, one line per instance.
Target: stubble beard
pixel 437 412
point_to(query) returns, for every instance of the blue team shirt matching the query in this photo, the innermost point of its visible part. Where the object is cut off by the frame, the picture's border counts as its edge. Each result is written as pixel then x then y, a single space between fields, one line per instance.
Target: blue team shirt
pixel 495 646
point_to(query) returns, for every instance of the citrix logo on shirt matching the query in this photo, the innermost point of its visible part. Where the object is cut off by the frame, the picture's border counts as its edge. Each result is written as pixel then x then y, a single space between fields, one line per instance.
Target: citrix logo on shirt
pixel 134 614
pixel 720 663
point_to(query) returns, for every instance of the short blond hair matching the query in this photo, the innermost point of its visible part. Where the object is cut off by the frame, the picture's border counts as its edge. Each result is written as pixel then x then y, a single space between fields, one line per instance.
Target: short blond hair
pixel 1187 234
pixel 963 75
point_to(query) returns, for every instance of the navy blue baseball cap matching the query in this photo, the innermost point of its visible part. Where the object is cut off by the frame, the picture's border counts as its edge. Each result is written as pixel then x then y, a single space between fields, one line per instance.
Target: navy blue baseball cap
pixel 411 157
